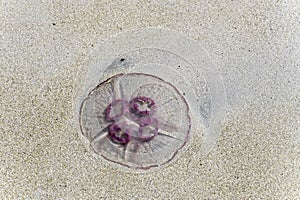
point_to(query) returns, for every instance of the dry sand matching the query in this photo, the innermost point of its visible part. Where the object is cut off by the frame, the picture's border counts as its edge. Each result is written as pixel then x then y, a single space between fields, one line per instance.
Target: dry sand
pixel 256 45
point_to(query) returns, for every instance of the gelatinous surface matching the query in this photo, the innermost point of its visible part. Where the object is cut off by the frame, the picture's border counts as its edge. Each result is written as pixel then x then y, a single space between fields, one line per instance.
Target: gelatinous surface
pixel 136 120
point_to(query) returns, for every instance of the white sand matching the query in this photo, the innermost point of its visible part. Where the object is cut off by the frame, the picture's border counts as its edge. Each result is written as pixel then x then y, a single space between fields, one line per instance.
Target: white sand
pixel 256 45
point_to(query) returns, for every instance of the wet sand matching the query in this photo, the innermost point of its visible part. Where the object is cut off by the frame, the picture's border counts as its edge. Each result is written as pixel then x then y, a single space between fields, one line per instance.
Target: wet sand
pixel 255 45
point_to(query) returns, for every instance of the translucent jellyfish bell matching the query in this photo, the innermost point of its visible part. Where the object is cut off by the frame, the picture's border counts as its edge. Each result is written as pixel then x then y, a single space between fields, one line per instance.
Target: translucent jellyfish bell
pixel 142 136
pixel 143 100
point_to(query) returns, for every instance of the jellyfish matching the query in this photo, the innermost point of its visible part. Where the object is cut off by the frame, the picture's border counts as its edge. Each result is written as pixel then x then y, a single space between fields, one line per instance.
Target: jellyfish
pixel 144 95
pixel 136 120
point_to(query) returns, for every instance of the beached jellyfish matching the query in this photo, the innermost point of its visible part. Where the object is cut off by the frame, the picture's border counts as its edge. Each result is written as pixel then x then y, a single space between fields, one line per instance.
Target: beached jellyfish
pixel 136 120
pixel 160 88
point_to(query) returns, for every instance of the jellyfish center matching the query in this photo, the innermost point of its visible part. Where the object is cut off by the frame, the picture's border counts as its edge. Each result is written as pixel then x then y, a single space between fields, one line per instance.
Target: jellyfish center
pixel 133 120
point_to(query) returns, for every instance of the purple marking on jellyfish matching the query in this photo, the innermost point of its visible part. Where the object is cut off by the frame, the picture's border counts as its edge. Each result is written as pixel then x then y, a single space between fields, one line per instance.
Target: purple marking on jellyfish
pixel 118 135
pixel 116 109
pixel 142 106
